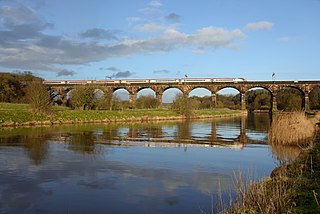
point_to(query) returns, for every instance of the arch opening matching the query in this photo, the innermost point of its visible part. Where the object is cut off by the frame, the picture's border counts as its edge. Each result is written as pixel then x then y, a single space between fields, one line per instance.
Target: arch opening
pixel 290 99
pixel 121 99
pixel 169 96
pixel 314 98
pixel 200 98
pixel 259 99
pixel 229 97
pixel 146 99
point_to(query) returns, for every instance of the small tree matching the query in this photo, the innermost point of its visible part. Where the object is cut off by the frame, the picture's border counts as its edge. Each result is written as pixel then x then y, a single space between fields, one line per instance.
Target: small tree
pixel 182 105
pixel 39 98
pixel 147 101
pixel 83 98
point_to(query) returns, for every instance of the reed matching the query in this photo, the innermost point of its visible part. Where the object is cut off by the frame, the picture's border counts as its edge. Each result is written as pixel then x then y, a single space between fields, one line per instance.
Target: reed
pixel 267 196
pixel 293 187
pixel 292 129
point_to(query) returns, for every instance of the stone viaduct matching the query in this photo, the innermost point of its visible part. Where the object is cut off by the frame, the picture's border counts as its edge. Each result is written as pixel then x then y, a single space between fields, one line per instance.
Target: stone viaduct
pixel 273 87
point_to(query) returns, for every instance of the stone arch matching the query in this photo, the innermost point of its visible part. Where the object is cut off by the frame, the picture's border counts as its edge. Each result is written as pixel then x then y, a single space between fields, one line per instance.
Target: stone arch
pixel 200 87
pixel 121 92
pixel 170 93
pixel 272 97
pixel 191 88
pixel 146 97
pixel 241 93
pixel 219 88
pixel 145 88
pixel 302 95
pixel 98 93
pixel 203 97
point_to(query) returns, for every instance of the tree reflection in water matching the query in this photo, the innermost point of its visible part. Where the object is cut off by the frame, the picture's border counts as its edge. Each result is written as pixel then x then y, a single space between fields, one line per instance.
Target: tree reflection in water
pixel 35 144
pixel 91 139
pixel 84 142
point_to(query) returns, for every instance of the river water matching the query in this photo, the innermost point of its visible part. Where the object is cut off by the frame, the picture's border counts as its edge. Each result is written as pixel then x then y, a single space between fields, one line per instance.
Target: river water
pixel 168 167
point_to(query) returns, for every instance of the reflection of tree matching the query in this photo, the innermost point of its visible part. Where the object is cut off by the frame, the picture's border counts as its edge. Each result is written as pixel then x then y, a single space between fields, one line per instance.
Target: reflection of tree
pixel 35 145
pixel 108 134
pixel 184 130
pixel 156 132
pixel 259 122
pixel 82 142
pixel 37 148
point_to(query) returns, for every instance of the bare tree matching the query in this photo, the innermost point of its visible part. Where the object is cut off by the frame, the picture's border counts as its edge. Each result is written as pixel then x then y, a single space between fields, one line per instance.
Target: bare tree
pixel 39 98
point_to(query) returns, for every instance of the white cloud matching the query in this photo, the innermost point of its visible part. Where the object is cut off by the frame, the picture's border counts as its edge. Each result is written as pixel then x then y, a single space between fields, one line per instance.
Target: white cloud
pixel 151 27
pixel 155 3
pixel 258 26
pixel 25 45
pixel 153 8
pixel 212 37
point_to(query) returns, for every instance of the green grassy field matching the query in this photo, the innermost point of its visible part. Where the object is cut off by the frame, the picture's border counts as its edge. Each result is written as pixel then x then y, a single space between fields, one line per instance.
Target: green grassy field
pixel 11 113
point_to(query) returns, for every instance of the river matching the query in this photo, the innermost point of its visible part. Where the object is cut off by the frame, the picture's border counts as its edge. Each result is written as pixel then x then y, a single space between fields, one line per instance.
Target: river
pixel 167 167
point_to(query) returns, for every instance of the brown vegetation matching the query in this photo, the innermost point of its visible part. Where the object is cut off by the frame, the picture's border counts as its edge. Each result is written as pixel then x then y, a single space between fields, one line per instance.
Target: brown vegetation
pixel 268 196
pixel 39 98
pixel 292 188
pixel 293 129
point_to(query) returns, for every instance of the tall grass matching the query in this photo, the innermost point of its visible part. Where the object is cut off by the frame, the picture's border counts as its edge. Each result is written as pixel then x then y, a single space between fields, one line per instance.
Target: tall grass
pixel 268 196
pixel 292 188
pixel 292 129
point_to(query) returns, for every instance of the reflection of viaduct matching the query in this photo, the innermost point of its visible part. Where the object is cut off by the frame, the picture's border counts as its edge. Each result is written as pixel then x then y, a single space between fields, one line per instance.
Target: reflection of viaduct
pixel 184 135
pixel 273 87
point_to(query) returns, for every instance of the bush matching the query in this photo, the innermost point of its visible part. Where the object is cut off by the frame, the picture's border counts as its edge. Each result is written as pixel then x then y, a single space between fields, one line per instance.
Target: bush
pixel 182 105
pixel 39 98
pixel 83 98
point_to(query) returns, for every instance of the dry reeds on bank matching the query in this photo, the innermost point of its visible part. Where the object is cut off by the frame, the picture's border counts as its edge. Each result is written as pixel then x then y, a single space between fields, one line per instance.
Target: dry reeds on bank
pixel 292 129
pixel 269 196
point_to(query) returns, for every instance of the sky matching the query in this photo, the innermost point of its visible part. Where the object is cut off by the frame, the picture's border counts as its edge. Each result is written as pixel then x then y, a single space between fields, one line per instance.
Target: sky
pixel 100 39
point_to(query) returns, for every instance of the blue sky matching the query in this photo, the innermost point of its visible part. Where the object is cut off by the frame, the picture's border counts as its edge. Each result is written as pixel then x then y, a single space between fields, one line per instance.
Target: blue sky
pixel 59 39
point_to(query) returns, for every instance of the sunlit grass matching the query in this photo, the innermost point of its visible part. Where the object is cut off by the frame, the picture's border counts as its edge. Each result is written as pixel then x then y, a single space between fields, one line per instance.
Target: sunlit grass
pixel 21 113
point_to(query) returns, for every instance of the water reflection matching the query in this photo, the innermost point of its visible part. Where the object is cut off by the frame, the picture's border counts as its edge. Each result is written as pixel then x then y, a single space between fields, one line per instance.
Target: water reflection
pixel 285 154
pixel 35 145
pixel 119 168
pixel 230 132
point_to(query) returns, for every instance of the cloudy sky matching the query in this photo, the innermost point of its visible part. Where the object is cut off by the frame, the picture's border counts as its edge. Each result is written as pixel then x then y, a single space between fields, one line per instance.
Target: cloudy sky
pixel 98 39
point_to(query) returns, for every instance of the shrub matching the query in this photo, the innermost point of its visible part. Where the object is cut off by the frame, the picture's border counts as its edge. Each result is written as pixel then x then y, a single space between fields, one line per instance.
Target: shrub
pixel 39 98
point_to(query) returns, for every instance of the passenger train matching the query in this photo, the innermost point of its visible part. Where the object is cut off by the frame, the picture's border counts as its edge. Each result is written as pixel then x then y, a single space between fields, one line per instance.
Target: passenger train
pixel 151 81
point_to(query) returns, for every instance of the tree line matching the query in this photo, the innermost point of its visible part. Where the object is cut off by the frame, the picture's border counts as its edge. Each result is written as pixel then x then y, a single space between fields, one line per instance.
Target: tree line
pixel 24 87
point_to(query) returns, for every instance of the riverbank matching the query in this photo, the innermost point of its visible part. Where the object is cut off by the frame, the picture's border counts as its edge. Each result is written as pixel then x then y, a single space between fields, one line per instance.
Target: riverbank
pixel 21 115
pixel 292 187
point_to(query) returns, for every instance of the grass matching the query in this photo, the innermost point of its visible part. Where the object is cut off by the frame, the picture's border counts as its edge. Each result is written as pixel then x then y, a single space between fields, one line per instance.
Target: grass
pixel 293 187
pixel 18 114
pixel 291 129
